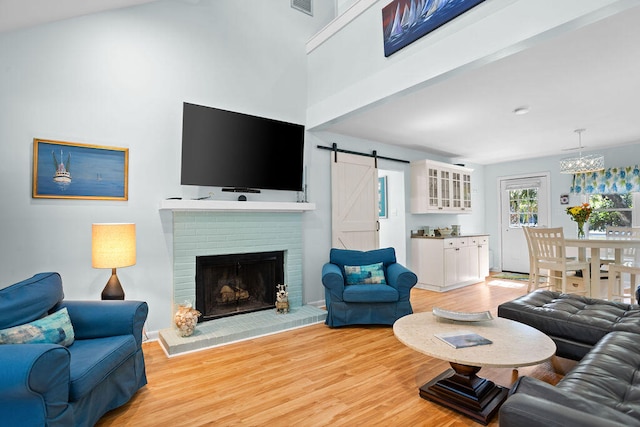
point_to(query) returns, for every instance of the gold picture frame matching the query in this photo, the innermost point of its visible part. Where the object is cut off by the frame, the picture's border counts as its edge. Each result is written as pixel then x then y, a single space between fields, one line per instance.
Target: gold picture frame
pixel 70 170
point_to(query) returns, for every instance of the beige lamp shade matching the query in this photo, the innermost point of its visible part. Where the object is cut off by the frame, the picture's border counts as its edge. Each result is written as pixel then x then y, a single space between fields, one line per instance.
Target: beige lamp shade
pixel 113 245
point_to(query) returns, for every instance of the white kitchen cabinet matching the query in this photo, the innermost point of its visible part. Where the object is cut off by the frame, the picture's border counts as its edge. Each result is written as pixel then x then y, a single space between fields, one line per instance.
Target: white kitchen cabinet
pixel 442 264
pixel 438 187
pixel 456 261
pixel 482 243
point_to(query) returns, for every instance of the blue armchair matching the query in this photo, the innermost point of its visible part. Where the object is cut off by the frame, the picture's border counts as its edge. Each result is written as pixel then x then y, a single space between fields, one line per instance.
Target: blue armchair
pixel 98 366
pixel 366 288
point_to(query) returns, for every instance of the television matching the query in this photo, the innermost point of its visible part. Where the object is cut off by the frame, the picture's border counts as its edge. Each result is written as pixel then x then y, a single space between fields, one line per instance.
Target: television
pixel 240 152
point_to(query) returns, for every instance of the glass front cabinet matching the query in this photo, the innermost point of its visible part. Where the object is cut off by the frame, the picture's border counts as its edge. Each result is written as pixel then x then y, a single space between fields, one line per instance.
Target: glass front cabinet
pixel 440 187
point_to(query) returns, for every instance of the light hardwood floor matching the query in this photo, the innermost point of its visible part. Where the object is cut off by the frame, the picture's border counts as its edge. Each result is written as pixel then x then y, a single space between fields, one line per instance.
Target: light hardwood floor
pixel 315 376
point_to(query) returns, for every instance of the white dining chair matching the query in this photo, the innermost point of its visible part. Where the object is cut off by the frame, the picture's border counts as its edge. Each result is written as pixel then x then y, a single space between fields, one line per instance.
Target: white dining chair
pixel 615 232
pixel 629 264
pixel 547 258
pixel 534 279
pixel 617 289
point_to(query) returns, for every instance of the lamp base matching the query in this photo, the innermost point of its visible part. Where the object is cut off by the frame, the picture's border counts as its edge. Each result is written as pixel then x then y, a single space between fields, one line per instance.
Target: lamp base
pixel 113 290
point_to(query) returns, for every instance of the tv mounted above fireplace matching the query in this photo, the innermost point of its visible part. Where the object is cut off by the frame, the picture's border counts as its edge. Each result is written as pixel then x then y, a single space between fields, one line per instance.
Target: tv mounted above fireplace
pixel 245 153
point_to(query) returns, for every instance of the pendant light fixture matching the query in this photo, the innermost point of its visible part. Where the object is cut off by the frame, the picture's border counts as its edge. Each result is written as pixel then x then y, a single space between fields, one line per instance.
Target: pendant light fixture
pixel 582 164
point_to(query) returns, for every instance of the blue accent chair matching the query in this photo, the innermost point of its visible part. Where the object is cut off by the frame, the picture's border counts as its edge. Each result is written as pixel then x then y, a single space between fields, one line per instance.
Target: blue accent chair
pixel 366 304
pixel 51 385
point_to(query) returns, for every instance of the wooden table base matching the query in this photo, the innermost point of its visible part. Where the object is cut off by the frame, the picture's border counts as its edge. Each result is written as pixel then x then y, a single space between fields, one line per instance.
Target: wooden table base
pixel 462 390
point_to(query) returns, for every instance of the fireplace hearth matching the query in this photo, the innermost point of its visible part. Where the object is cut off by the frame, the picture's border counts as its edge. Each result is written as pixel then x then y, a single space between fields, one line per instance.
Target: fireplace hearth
pixel 232 284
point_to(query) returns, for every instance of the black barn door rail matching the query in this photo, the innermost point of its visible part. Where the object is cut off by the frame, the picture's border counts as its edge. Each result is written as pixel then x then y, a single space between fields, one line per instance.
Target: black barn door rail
pixel 374 154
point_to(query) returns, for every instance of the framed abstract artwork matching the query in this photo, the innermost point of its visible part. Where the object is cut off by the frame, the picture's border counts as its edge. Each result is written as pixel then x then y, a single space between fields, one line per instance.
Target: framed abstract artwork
pixel 68 170
pixel 405 21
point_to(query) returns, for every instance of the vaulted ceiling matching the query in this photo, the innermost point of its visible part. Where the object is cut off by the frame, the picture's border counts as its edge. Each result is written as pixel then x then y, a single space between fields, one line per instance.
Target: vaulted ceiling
pixel 586 78
pixel 16 14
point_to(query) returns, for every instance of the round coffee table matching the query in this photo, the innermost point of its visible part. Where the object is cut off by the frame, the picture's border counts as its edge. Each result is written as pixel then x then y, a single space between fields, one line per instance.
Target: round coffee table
pixel 513 345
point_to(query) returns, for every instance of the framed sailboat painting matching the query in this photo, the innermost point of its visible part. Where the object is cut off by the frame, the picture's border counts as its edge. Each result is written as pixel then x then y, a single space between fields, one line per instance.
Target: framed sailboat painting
pixel 68 170
pixel 405 21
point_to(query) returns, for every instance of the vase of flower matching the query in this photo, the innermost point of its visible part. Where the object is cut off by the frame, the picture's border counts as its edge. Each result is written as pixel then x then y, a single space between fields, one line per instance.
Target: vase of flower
pixel 580 214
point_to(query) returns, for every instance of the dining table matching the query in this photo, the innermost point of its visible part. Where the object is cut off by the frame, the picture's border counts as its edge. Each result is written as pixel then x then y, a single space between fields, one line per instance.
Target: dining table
pixel 595 243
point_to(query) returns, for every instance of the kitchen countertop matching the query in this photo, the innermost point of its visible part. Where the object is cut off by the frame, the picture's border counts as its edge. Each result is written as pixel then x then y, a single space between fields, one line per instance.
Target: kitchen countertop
pixel 448 237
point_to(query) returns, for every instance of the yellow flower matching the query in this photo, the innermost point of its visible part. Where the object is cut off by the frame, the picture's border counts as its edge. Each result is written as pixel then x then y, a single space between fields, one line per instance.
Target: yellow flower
pixel 580 213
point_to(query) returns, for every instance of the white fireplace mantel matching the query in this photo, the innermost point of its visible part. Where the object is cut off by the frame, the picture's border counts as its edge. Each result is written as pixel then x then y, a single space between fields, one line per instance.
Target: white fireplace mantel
pixel 234 206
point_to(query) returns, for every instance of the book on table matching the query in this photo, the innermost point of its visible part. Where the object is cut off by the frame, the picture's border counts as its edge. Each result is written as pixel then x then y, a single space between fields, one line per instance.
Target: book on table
pixel 461 339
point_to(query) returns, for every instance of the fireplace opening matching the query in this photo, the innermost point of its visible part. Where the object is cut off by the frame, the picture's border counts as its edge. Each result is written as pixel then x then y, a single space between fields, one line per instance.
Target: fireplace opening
pixel 232 284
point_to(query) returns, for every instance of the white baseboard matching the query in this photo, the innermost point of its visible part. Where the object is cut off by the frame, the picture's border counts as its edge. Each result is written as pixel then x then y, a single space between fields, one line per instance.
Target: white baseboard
pixel 149 335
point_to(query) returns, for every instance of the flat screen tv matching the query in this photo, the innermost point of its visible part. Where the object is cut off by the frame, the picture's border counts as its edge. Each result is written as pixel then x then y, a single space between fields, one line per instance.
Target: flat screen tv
pixel 223 148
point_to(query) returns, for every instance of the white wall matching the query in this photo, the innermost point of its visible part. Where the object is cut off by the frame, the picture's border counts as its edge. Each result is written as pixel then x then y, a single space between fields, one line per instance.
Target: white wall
pixel 342 5
pixel 119 79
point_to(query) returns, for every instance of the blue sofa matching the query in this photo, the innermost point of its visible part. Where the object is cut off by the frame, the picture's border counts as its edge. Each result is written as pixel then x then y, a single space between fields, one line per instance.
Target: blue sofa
pixel 366 303
pixel 44 384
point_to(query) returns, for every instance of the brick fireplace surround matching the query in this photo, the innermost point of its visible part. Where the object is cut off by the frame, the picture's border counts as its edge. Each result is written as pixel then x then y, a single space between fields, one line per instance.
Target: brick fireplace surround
pixel 203 228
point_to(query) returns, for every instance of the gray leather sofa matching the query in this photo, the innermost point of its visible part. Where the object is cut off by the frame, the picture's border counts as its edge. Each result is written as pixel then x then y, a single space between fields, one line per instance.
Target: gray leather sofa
pixel 603 389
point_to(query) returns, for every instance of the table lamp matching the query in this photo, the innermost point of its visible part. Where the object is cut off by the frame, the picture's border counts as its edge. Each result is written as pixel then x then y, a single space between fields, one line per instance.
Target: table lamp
pixel 113 246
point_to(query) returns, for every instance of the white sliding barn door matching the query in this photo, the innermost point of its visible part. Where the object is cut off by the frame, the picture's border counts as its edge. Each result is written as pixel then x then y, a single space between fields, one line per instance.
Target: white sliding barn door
pixel 354 198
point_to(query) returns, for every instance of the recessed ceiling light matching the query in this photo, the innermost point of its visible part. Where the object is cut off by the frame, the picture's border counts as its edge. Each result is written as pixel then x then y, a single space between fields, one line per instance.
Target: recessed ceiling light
pixel 521 110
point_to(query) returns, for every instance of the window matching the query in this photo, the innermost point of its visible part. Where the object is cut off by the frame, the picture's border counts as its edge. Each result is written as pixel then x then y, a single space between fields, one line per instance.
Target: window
pixel 611 210
pixel 523 207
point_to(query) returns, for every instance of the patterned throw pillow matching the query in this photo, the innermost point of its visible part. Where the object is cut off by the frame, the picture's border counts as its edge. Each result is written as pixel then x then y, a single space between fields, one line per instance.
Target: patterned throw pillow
pixel 53 329
pixel 365 274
